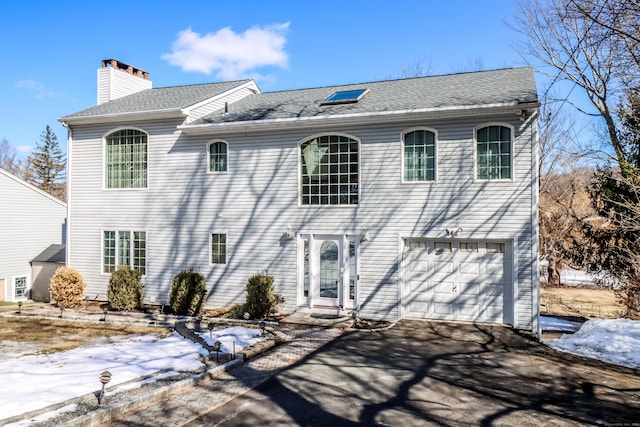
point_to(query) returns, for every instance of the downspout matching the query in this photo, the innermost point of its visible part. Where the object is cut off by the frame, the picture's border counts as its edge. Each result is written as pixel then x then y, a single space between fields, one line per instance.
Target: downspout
pixel 535 220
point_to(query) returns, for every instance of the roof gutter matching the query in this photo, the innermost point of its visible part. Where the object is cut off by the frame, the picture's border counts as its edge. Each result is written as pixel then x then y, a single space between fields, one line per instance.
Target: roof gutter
pixel 177 113
pixel 358 118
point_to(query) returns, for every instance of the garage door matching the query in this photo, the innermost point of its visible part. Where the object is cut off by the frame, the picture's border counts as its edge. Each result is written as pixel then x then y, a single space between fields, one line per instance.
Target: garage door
pixel 456 280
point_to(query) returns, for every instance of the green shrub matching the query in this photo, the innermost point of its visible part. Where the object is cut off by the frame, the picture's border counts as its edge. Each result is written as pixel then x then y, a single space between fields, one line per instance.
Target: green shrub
pixel 261 298
pixel 188 293
pixel 125 289
pixel 67 287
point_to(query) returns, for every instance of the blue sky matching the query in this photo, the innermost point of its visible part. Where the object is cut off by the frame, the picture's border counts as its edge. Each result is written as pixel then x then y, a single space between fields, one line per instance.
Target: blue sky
pixel 51 50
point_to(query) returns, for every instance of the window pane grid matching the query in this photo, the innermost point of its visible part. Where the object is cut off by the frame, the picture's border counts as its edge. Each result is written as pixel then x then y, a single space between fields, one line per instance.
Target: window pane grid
pixel 117 250
pixel 329 171
pixel 218 248
pixel 494 152
pixel 218 157
pixel 419 156
pixel 126 159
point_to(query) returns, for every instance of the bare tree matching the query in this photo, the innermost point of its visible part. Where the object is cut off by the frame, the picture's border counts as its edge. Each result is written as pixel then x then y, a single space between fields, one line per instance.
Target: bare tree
pixel 571 47
pixel 10 161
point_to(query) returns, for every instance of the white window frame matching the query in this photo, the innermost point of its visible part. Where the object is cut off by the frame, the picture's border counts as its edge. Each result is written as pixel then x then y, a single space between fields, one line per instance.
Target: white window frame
pixel 360 174
pixel 475 152
pixel 209 144
pixel 132 258
pixel 104 160
pixel 226 247
pixel 435 155
pixel 27 288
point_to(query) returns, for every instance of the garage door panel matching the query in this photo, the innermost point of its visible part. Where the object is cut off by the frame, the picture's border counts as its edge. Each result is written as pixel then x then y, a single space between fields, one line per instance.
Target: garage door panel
pixel 465 283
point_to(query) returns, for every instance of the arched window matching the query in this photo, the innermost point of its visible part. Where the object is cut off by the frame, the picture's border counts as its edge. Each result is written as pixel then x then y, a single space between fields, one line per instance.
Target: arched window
pixel 419 155
pixel 493 152
pixel 329 172
pixel 218 156
pixel 126 159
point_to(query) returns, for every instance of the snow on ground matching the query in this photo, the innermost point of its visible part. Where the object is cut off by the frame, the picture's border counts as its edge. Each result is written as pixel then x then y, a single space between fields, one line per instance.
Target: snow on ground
pixel 241 336
pixel 37 381
pixel 615 341
pixel 552 323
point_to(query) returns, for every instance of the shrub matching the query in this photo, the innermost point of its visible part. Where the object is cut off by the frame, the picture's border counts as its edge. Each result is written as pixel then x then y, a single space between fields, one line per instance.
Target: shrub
pixel 67 287
pixel 188 293
pixel 261 298
pixel 125 289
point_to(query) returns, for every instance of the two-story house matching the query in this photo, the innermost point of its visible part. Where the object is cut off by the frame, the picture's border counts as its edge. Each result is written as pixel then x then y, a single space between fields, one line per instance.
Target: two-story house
pixel 402 198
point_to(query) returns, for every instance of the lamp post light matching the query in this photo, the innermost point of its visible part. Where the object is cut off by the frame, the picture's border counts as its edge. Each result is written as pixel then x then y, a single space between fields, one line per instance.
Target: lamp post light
pixel 210 326
pixel 61 310
pixel 19 307
pixel 105 377
pixel 216 348
pixel 262 326
pixel 164 302
pixel 105 311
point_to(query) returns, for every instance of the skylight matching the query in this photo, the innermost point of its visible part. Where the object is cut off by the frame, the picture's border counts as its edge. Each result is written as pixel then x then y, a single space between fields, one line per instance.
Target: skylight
pixel 345 97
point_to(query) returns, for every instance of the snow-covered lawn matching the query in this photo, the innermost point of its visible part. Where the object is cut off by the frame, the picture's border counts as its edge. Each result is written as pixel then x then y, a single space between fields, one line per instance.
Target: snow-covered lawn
pixel 37 381
pixel 615 341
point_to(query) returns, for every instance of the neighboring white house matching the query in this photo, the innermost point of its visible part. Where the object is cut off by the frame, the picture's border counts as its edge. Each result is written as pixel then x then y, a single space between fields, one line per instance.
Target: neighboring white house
pixel 401 198
pixel 30 221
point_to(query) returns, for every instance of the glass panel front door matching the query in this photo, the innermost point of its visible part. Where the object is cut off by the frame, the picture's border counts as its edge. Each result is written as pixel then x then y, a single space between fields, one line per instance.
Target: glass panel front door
pixel 329 269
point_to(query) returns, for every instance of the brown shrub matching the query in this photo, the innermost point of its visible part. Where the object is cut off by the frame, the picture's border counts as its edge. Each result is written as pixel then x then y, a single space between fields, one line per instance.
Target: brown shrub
pixel 67 287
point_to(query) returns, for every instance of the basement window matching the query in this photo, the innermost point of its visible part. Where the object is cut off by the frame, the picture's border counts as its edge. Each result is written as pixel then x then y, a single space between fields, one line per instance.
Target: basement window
pixel 345 97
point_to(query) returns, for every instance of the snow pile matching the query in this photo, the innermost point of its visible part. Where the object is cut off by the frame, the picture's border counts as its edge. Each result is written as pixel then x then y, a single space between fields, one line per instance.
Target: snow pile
pixel 614 341
pixel 552 323
pixel 37 381
pixel 241 336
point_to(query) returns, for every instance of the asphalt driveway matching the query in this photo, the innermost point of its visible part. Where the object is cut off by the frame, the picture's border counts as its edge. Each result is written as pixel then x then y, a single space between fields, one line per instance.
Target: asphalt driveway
pixel 432 373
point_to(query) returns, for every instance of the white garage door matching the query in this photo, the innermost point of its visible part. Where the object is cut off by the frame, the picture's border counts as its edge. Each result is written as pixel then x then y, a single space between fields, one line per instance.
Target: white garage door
pixel 456 280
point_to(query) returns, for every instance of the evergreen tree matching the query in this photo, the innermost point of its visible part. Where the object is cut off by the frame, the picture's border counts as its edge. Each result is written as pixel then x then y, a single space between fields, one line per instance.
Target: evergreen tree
pixel 47 164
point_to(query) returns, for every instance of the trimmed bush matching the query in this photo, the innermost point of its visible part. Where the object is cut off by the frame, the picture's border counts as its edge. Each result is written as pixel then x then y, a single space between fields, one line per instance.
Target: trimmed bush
pixel 67 287
pixel 188 293
pixel 261 298
pixel 125 289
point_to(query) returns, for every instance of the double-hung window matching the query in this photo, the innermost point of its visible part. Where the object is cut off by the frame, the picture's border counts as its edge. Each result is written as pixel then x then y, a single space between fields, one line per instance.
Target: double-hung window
pixel 120 247
pixel 419 155
pixel 329 171
pixel 493 152
pixel 218 248
pixel 218 156
pixel 126 159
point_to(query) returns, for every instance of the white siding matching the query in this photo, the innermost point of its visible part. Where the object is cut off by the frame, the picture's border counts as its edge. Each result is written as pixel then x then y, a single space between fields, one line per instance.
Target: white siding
pixel 256 201
pixel 30 221
pixel 218 104
pixel 114 83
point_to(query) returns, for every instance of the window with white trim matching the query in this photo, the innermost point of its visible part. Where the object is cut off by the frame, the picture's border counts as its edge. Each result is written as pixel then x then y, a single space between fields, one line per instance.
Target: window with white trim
pixel 218 248
pixel 121 247
pixel 218 153
pixel 493 152
pixel 126 159
pixel 20 286
pixel 329 171
pixel 419 155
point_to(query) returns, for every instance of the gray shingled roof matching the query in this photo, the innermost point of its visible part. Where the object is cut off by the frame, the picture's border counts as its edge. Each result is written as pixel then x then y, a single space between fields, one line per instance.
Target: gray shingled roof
pixel 165 98
pixel 513 85
pixel 54 253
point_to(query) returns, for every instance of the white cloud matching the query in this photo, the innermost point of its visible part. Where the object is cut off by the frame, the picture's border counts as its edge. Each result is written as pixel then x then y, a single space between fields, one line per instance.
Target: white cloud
pixel 24 149
pixel 231 55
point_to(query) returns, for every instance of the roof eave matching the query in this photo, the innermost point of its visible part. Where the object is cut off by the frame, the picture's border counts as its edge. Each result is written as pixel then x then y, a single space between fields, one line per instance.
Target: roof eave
pixel 359 118
pixel 125 117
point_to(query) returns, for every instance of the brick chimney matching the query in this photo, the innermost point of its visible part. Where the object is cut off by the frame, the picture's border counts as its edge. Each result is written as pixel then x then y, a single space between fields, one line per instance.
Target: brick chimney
pixel 117 79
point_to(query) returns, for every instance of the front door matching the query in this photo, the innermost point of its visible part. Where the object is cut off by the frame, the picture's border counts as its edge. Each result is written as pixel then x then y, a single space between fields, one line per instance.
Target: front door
pixel 329 273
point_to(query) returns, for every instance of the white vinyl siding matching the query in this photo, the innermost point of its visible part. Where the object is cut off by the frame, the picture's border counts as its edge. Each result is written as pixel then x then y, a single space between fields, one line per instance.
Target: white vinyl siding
pixel 260 198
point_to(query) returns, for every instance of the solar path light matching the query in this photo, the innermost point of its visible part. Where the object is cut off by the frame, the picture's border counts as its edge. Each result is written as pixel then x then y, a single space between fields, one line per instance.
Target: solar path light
pixel 105 377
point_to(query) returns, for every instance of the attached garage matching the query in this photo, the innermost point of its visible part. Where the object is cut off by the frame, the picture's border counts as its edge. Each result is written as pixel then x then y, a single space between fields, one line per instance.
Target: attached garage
pixel 467 280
